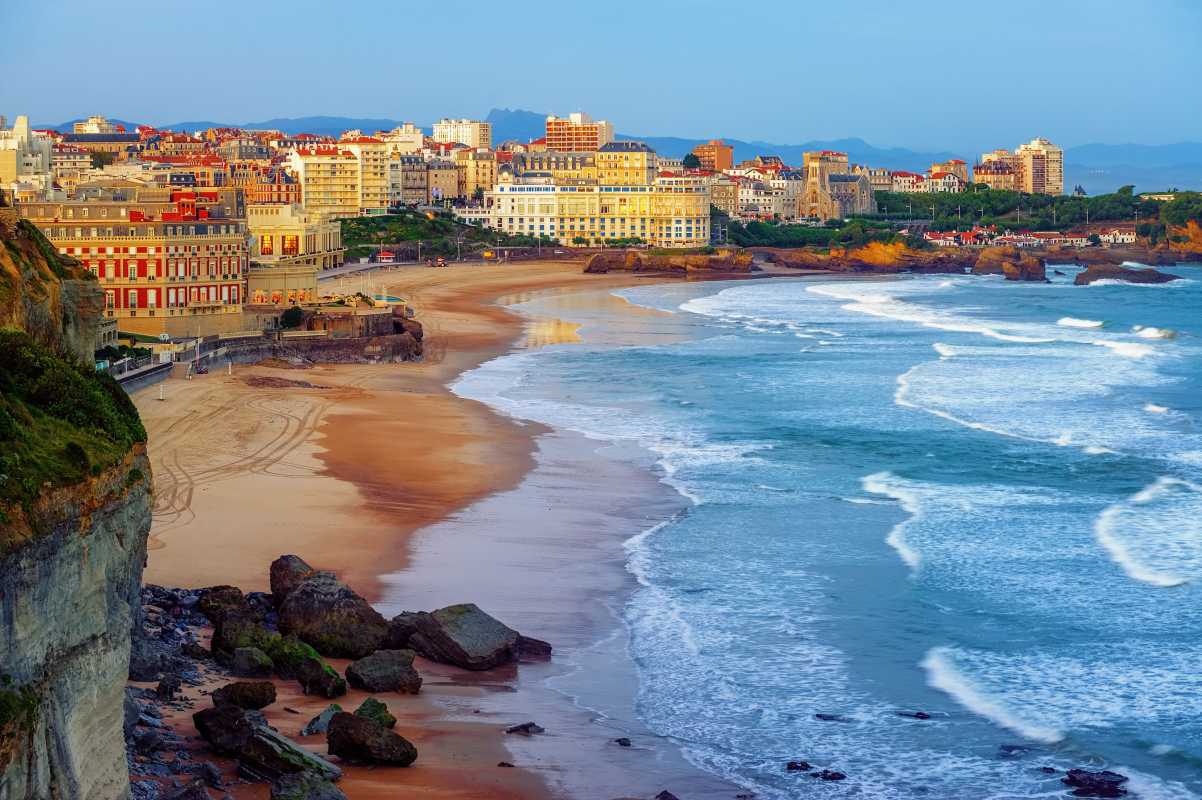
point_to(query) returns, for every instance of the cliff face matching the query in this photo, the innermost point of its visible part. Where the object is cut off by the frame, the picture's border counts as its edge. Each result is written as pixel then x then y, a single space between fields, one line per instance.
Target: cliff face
pixel 47 295
pixel 74 516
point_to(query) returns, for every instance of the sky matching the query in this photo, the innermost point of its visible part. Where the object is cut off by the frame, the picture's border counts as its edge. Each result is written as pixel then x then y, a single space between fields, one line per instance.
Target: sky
pixel 923 74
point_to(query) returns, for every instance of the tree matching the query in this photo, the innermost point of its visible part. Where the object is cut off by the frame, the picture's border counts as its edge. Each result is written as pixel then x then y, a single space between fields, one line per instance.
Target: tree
pixel 292 317
pixel 579 240
pixel 101 160
pixel 1094 239
pixel 691 161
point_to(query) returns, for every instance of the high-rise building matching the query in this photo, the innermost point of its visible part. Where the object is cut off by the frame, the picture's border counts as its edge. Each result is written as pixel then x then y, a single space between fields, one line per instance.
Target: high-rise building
pixel 715 155
pixel 577 132
pixel 473 133
pixel 371 156
pixel 1042 167
pixel 329 179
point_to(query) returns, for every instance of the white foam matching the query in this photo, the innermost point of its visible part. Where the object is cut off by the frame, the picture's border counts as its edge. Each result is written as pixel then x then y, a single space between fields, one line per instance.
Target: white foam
pixel 884 483
pixel 943 675
pixel 1155 536
pixel 1126 349
pixel 1148 332
pixel 1073 322
pixel 944 350
pixel 1152 408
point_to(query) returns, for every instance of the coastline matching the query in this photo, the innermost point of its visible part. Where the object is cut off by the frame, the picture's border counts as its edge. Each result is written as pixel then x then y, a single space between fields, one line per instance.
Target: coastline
pixel 335 473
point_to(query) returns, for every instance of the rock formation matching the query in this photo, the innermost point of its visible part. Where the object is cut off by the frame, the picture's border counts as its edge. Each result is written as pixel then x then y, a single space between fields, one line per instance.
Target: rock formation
pixel 464 636
pixel 1099 272
pixel 728 259
pixel 74 516
pixel 1010 262
pixel 333 618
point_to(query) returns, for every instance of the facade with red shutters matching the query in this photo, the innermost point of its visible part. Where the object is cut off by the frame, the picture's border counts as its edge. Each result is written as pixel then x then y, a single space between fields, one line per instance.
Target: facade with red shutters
pixel 169 262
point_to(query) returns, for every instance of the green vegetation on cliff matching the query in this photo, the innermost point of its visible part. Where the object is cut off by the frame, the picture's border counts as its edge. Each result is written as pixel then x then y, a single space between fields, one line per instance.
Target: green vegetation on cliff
pixel 440 235
pixel 773 234
pixel 60 421
pixel 1035 211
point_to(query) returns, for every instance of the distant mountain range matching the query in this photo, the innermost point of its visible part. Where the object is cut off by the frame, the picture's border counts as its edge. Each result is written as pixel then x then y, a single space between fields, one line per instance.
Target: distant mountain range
pixel 1098 168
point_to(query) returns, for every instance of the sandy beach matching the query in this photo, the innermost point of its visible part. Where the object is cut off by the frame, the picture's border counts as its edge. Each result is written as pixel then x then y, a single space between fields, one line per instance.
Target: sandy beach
pixel 342 464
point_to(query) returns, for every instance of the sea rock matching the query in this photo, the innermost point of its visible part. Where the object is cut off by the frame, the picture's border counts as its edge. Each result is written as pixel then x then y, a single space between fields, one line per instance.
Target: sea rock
pixel 666 795
pixel 192 790
pixel 829 775
pixel 831 717
pixel 287 572
pixel 251 662
pixel 526 729
pixel 797 766
pixel 360 739
pixel 400 628
pixel 529 647
pixel 385 671
pixel 245 694
pixel 378 712
pixel 1103 783
pixel 1112 272
pixel 269 756
pixel 464 636
pixel 302 786
pixel 1011 262
pixel 622 741
pixel 914 714
pixel 225 728
pixel 325 613
pixel 217 601
pixel 319 678
pixel 168 687
pixel 321 722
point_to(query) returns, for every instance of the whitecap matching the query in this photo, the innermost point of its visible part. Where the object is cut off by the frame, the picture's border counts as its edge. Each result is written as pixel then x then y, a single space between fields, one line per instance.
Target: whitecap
pixel 1148 332
pixel 1126 349
pixel 1073 322
pixel 1155 536
pixel 944 350
pixel 942 674
pixel 1152 408
pixel 884 483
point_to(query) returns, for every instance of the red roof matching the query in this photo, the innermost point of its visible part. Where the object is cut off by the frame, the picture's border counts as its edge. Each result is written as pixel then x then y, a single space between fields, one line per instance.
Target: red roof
pixel 362 140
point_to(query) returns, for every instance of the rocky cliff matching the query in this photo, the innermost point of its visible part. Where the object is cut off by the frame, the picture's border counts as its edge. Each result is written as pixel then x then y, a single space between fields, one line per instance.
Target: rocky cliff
pixel 74 516
pixel 720 261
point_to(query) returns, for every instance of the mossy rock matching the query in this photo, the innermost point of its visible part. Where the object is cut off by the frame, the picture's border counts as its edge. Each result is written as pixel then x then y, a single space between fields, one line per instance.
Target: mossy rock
pixel 378 712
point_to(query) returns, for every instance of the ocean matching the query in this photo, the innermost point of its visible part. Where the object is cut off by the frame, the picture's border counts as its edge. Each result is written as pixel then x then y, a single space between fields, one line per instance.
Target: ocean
pixel 953 495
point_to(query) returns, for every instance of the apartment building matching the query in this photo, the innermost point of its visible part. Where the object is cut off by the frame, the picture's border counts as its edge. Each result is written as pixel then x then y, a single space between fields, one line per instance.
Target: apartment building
pixel 371 162
pixel 577 132
pixel 997 174
pixel 405 139
pixel 25 154
pixel 473 133
pixel 407 180
pixel 442 180
pixel 955 166
pixel 169 262
pixel 329 179
pixel 715 155
pixel 477 172
pixel 1041 167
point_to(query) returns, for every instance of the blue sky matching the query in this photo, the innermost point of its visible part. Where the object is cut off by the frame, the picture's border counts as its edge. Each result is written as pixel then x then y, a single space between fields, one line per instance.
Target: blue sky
pixel 939 74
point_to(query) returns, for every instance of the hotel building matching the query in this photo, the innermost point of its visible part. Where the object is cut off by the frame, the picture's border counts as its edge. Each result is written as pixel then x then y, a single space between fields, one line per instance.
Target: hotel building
pixel 169 261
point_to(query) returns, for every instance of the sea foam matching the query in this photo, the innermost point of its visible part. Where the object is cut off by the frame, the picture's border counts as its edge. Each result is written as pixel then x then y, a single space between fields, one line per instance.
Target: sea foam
pixel 1073 322
pixel 884 483
pixel 943 675
pixel 1155 536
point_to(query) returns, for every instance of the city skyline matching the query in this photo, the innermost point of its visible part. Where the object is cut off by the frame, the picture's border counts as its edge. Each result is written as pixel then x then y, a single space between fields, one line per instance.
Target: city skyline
pixel 923 78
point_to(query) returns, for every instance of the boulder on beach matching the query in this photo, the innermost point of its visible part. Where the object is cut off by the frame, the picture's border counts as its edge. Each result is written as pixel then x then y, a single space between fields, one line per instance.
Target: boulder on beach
pixel 245 694
pixel 286 573
pixel 321 722
pixel 302 786
pixel 262 753
pixel 1112 272
pixel 1102 783
pixel 324 612
pixel 378 712
pixel 217 601
pixel 251 662
pixel 319 678
pixel 385 671
pixel 465 636
pixel 363 740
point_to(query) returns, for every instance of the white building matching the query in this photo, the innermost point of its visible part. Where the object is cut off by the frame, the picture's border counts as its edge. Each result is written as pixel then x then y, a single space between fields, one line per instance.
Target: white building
pixel 25 155
pixel 473 133
pixel 405 139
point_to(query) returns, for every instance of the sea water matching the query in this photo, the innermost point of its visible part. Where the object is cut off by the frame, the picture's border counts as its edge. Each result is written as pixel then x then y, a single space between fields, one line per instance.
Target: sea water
pixel 976 499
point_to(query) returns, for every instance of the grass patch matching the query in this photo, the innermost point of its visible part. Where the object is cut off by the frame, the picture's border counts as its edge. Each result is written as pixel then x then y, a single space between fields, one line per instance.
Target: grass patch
pixel 60 422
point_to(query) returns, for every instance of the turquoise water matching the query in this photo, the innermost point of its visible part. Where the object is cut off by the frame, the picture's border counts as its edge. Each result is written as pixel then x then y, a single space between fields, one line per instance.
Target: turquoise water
pixel 958 495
